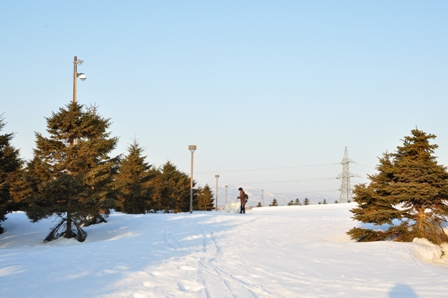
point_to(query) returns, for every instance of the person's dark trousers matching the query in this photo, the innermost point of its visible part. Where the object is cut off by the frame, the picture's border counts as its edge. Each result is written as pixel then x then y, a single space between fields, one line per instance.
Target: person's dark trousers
pixel 243 208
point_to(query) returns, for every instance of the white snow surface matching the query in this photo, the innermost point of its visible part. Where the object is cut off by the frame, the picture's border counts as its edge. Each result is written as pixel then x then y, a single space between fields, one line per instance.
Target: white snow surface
pixel 294 251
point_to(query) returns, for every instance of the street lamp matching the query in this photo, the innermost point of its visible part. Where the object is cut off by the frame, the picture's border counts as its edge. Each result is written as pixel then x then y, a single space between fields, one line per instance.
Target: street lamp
pixel 77 75
pixel 216 176
pixel 226 192
pixel 192 148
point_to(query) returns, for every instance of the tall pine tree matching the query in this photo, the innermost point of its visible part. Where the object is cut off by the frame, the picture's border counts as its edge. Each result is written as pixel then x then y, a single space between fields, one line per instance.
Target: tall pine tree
pixel 71 174
pixel 205 199
pixel 409 194
pixel 10 164
pixel 133 182
pixel 171 189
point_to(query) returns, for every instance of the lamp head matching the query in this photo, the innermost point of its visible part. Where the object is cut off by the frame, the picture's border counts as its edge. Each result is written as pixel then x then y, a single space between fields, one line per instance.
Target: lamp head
pixel 82 76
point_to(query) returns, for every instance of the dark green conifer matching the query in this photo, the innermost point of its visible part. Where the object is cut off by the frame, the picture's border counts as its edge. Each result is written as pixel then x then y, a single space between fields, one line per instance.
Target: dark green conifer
pixel 306 201
pixel 133 182
pixel 205 201
pixel 71 174
pixel 10 164
pixel 408 194
pixel 171 189
pixel 274 202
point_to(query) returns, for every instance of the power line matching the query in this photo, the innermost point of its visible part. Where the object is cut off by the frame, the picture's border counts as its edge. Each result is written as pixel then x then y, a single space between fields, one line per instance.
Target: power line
pixel 288 181
pixel 269 169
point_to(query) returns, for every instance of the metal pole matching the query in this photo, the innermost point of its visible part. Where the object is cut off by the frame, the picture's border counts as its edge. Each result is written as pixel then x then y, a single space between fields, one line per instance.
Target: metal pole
pixel 75 76
pixel 226 193
pixel 191 148
pixel 216 176
pixel 191 183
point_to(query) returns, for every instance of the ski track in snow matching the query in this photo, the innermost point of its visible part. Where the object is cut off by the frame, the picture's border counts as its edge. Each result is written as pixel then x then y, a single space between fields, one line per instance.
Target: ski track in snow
pixel 268 252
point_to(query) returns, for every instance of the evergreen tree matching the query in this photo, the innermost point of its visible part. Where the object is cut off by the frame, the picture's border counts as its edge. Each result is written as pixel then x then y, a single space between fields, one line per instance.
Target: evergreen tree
pixel 306 202
pixel 172 190
pixel 71 174
pixel 324 202
pixel 297 202
pixel 291 203
pixel 10 164
pixel 133 182
pixel 259 204
pixel 409 193
pixel 274 202
pixel 205 201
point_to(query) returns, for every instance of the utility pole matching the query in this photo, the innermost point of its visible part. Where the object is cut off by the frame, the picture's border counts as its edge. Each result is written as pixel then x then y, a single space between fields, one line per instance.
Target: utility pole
pixel 216 176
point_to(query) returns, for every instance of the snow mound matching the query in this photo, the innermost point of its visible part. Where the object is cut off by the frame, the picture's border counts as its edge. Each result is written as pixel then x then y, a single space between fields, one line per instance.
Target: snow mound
pixel 426 250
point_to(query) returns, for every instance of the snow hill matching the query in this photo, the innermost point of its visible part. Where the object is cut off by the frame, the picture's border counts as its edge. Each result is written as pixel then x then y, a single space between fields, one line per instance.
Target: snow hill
pixel 295 251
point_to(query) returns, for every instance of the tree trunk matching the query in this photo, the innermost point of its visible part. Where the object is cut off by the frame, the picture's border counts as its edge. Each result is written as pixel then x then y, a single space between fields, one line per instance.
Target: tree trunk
pixel 68 232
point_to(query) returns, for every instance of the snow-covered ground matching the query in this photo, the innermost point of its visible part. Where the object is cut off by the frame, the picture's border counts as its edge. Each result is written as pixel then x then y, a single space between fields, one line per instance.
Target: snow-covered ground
pixel 296 251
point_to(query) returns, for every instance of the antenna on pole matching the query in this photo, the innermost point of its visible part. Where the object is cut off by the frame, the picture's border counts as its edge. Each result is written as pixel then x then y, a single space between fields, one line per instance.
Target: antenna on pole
pixel 345 189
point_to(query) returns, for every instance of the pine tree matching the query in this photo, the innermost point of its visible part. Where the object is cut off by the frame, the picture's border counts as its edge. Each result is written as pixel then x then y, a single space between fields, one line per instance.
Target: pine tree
pixel 408 193
pixel 324 202
pixel 71 174
pixel 306 201
pixel 259 204
pixel 274 202
pixel 10 165
pixel 291 203
pixel 133 182
pixel 172 190
pixel 205 201
pixel 297 202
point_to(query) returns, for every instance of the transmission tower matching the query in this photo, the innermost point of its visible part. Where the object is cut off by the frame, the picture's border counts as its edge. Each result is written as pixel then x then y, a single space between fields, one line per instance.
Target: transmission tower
pixel 345 177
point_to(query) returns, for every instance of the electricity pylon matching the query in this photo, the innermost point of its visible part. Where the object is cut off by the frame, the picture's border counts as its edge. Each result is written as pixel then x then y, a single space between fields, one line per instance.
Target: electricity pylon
pixel 345 177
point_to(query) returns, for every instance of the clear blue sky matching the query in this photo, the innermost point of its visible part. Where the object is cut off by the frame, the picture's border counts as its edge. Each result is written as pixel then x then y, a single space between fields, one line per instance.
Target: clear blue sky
pixel 270 91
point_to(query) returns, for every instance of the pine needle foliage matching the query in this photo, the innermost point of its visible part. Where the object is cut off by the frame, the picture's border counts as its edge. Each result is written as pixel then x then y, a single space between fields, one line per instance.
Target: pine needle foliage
pixel 133 182
pixel 10 165
pixel 171 189
pixel 204 198
pixel 71 174
pixel 408 196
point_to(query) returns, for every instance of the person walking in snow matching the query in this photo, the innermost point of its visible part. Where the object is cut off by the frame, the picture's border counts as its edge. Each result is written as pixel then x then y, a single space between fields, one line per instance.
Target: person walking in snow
pixel 243 198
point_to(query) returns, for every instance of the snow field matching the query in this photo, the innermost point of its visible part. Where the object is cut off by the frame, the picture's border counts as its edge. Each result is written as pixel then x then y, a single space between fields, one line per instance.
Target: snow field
pixel 294 251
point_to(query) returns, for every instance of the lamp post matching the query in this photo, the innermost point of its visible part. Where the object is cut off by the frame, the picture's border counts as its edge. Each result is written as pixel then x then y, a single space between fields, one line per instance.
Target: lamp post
pixel 216 176
pixel 226 192
pixel 77 75
pixel 192 148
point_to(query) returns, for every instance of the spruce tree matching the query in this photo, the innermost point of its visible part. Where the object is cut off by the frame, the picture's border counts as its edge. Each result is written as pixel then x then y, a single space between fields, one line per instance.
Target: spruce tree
pixel 306 201
pixel 259 204
pixel 171 189
pixel 274 202
pixel 409 194
pixel 291 203
pixel 205 201
pixel 71 174
pixel 10 165
pixel 133 182
pixel 297 202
